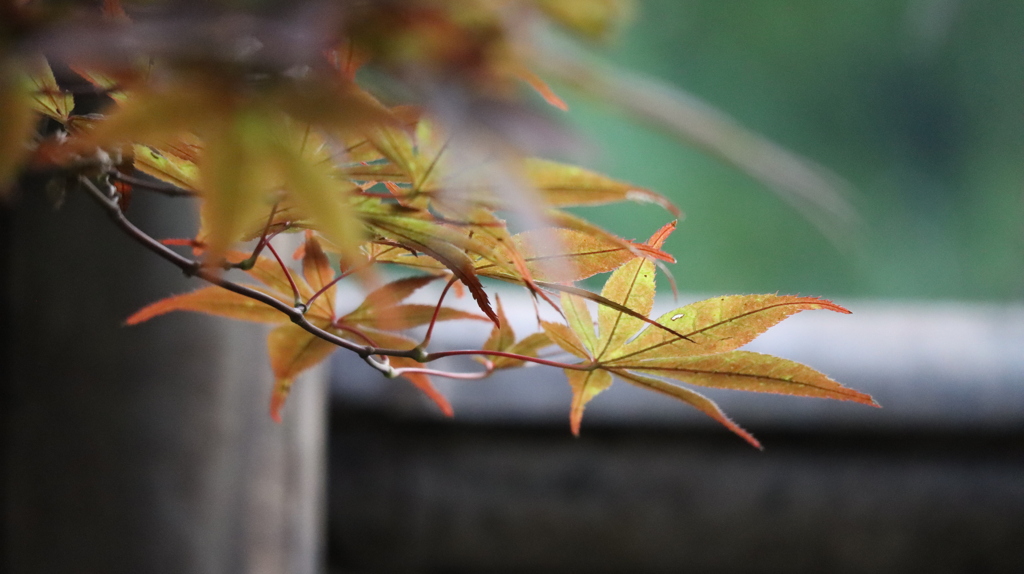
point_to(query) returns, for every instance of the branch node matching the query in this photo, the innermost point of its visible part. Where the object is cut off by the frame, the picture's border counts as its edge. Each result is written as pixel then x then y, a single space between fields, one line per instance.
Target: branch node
pixel 384 366
pixel 420 355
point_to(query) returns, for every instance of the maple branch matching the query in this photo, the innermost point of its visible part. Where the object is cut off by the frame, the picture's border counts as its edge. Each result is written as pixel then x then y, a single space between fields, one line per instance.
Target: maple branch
pixel 574 366
pixel 248 263
pixel 193 268
pixel 332 283
pixel 296 314
pixel 337 279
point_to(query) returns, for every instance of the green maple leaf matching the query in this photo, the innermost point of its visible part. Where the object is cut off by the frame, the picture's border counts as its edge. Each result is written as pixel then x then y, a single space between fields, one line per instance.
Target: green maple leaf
pixel 695 344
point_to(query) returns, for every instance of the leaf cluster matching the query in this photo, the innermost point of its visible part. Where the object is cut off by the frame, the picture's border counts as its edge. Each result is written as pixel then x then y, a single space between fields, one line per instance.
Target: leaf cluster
pixel 266 146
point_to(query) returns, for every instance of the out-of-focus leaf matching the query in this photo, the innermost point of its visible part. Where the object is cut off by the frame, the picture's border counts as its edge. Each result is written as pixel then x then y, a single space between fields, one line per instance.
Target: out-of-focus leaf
pixel 47 97
pixel 324 199
pixel 113 10
pixel 235 180
pixel 212 301
pixel 16 124
pixel 106 84
pixel 316 268
pixel 167 167
pixel 375 172
pixel 542 88
pixel 154 118
pixel 397 145
pixel 563 185
pixel 817 193
pixel 340 107
pixel 347 60
pixel 593 19
pixel 292 350
pixel 360 148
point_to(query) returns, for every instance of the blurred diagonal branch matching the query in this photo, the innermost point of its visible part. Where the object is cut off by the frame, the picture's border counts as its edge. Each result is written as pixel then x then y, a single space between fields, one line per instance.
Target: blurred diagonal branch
pixel 817 193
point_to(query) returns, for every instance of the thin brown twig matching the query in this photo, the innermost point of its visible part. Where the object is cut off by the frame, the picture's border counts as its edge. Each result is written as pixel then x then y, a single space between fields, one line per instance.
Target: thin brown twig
pixel 437 311
pixel 287 274
pixel 193 268
pixel 573 366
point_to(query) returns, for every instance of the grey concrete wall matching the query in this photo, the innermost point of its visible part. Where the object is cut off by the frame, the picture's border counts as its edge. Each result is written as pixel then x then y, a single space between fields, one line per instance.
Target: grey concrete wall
pixel 149 448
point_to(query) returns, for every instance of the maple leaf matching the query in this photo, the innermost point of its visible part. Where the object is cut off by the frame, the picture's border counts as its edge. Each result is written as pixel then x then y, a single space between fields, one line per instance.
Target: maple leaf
pixel 540 86
pixel 251 154
pixel 16 128
pixel 102 82
pixel 563 255
pixel 383 309
pixel 546 255
pixel 291 348
pixel 540 252
pixel 562 185
pixel 166 167
pixel 416 232
pixel 592 19
pixel 503 338
pixel 695 344
pixel 47 97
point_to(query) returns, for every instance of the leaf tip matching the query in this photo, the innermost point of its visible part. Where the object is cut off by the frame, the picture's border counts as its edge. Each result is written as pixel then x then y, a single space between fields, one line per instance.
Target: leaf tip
pixel 740 431
pixel 836 307
pixel 576 418
pixel 142 315
pixel 445 406
pixel 277 399
pixel 659 237
pixel 275 409
pixel 862 398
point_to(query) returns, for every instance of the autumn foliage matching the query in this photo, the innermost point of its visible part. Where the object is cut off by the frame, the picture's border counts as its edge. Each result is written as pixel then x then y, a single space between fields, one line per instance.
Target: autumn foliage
pixel 382 134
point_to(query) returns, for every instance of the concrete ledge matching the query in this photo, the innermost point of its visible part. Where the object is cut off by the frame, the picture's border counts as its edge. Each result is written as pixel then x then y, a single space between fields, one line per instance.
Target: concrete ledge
pixel 933 366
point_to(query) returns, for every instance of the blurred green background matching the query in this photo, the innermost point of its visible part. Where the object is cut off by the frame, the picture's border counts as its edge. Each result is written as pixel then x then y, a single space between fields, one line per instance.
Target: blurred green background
pixel 918 103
